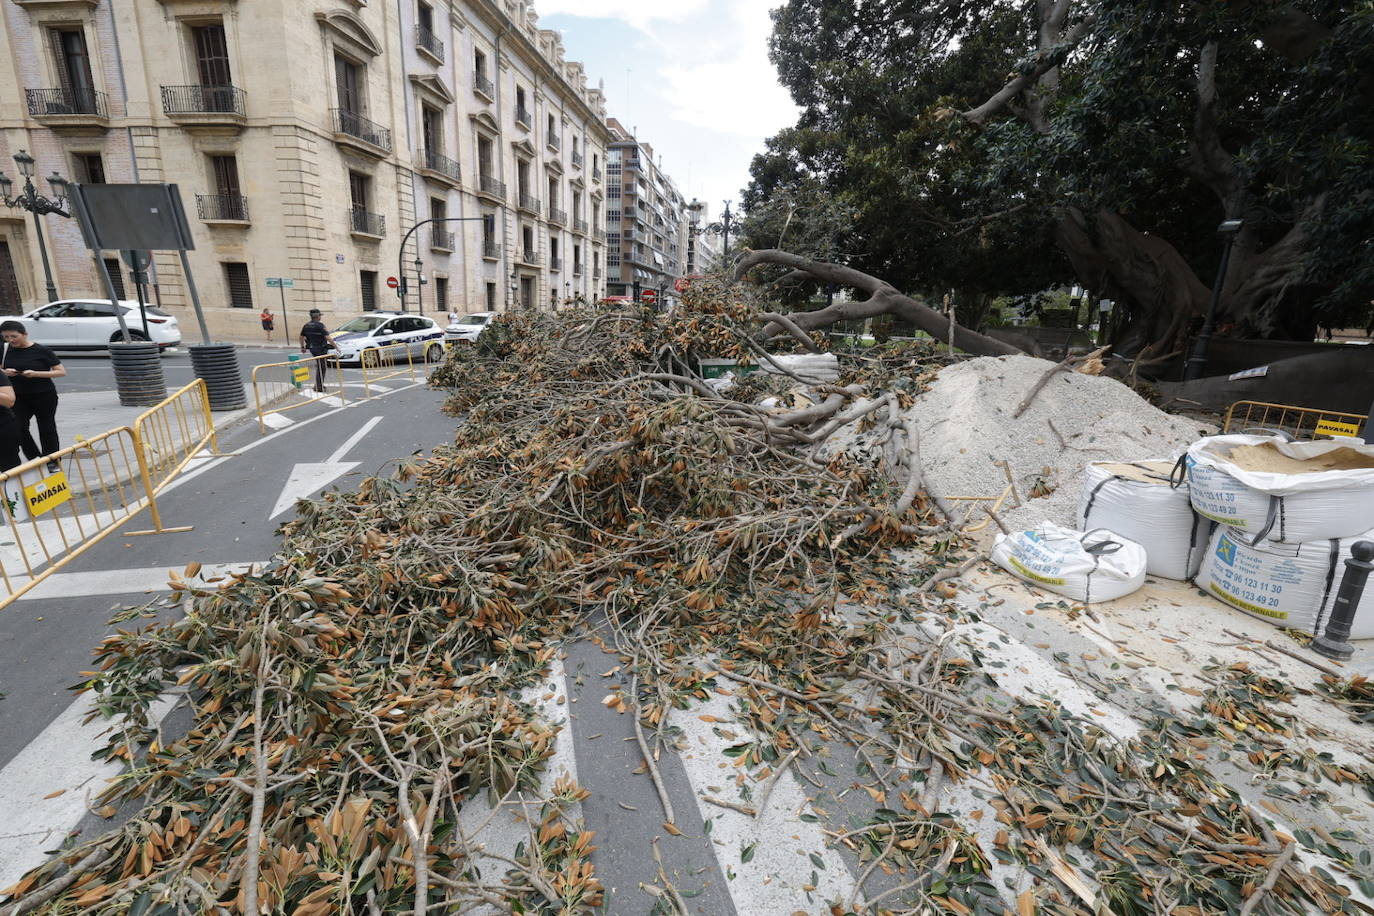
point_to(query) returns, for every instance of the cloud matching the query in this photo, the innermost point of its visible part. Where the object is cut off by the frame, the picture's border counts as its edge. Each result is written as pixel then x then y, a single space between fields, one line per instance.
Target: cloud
pixel 637 13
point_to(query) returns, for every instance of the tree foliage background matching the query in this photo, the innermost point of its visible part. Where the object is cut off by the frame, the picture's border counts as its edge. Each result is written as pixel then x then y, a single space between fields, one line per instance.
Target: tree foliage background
pixel 997 149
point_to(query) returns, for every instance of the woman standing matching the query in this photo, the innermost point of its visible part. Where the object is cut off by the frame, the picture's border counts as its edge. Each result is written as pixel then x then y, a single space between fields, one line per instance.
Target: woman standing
pixel 9 430
pixel 30 368
pixel 268 322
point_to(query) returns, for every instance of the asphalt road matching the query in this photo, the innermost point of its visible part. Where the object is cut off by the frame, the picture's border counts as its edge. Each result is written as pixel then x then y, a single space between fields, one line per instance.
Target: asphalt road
pixel 91 371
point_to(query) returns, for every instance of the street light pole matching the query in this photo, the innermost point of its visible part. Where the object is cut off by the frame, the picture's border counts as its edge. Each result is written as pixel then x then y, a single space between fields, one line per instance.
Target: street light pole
pixel 401 255
pixel 1197 363
pixel 38 205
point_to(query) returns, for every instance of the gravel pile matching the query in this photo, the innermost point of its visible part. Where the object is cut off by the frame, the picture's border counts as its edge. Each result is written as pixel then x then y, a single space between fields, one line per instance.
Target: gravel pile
pixel 966 426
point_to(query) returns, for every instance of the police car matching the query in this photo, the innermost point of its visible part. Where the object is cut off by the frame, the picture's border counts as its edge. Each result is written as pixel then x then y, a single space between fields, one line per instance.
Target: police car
pixel 360 340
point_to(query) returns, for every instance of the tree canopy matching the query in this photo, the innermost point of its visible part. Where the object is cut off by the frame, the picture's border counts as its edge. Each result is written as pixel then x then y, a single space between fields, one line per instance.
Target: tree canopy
pixel 995 149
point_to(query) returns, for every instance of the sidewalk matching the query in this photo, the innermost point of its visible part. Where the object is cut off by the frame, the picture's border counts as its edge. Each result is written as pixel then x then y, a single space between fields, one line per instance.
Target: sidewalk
pixel 89 413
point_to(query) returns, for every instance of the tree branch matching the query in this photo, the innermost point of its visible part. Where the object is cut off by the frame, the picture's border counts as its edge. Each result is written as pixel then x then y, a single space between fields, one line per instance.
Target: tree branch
pixel 1047 59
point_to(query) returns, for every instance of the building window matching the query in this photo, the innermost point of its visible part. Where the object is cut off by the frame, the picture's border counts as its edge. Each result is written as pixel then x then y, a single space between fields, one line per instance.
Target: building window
pixel 349 79
pixel 212 56
pixel 553 253
pixel 116 277
pixel 441 293
pixel 357 190
pixel 577 258
pixel 367 283
pixel 527 236
pixel 488 229
pixel 240 287
pixel 553 192
pixel 73 66
pixel 438 210
pixel 431 125
pixel 479 64
pixel 522 177
pixel 491 297
pixel 90 168
pixel 425 16
pixel 224 170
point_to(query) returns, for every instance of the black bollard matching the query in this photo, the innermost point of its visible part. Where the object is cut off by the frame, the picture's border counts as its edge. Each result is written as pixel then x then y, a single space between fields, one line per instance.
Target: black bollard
pixel 1335 642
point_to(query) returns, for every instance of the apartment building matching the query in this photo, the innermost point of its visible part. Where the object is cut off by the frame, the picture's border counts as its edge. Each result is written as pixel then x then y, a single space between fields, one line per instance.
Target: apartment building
pixel 646 218
pixel 308 140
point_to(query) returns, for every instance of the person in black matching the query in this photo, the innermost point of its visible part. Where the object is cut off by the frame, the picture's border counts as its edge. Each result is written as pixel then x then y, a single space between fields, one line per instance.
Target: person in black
pixel 30 368
pixel 9 427
pixel 315 341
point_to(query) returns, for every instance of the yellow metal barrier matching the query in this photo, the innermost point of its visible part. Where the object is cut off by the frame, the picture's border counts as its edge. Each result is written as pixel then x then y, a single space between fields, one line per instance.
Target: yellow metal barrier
pixel 1299 422
pixel 273 383
pixel 51 518
pixel 391 361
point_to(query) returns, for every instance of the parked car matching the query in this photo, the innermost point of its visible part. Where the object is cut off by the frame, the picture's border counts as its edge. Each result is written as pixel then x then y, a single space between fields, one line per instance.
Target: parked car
pixel 90 324
pixel 468 328
pixel 360 340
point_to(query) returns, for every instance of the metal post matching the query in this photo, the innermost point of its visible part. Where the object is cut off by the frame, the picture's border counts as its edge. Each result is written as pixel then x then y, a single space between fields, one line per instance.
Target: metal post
pixel 138 278
pixel 285 325
pixel 1335 642
pixel 1369 426
pixel 43 253
pixel 114 297
pixel 195 297
pixel 1197 363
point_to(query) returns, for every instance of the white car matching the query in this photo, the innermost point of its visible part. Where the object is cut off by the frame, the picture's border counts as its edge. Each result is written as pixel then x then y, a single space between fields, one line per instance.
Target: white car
pixel 470 327
pixel 90 324
pixel 361 339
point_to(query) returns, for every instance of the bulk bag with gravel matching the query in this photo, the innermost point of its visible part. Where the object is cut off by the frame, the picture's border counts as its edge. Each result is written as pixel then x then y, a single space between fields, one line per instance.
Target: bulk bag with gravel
pixel 1136 501
pixel 1090 566
pixel 1290 492
pixel 1287 585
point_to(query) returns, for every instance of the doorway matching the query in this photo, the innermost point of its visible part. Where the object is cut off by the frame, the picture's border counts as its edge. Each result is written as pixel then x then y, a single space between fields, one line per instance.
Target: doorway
pixel 9 284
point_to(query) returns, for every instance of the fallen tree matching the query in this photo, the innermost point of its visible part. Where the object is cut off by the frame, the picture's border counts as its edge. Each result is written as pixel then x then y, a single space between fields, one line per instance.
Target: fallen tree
pixel 358 708
pixel 883 299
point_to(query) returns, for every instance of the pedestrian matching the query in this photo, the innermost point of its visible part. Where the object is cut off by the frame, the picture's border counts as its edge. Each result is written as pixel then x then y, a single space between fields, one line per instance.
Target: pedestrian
pixel 267 322
pixel 452 317
pixel 316 341
pixel 30 368
pixel 9 427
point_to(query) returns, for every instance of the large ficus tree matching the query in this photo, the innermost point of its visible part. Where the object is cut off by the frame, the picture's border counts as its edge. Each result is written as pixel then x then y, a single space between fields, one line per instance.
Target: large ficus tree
pixel 1004 145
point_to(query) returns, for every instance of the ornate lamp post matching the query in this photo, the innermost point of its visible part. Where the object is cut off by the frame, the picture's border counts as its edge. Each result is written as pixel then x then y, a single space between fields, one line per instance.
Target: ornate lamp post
pixel 726 223
pixel 1197 363
pixel 38 205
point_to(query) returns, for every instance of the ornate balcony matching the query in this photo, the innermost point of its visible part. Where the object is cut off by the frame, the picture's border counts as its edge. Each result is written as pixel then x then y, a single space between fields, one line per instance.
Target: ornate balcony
pixel 222 208
pixel 523 117
pixel 71 108
pixel 439 167
pixel 429 43
pixel 352 129
pixel 209 106
pixel 441 240
pixel 483 87
pixel 491 251
pixel 530 204
pixel 557 217
pixel 361 222
pixel 491 188
pixel 580 226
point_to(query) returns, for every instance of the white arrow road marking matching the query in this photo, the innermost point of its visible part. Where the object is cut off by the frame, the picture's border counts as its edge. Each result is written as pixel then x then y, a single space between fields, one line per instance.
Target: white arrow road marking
pixel 58 760
pixel 309 478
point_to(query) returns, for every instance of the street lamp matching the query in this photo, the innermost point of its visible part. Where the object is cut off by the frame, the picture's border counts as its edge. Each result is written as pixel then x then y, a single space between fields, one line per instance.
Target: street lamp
pixel 727 221
pixel 38 205
pixel 1197 363
pixel 514 284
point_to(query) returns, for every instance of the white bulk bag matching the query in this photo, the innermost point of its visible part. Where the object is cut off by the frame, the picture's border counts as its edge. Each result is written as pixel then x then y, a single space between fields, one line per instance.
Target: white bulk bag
pixel 1085 566
pixel 1136 501
pixel 1287 585
pixel 1283 506
pixel 812 367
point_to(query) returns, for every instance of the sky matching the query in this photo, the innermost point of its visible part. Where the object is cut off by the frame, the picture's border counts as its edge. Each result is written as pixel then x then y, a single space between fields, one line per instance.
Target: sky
pixel 699 88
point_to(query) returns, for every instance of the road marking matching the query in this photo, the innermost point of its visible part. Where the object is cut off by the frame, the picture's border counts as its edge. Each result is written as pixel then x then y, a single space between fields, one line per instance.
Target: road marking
pixel 59 759
pixel 353 440
pixel 277 421
pixel 124 581
pixel 328 399
pixel 772 880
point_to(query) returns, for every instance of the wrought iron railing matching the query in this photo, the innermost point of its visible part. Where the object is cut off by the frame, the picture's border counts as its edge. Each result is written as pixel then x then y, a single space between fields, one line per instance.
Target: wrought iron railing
pixel 523 117
pixel 580 225
pixel 222 206
pixel 492 186
pixel 65 101
pixel 529 256
pixel 441 239
pixel 554 143
pixel 203 100
pixel 557 216
pixel 596 273
pixel 555 263
pixel 482 84
pixel 577 269
pixel 428 41
pixel 530 204
pixel 577 160
pixel 490 250
pixel 360 220
pixel 355 125
pixel 596 174
pixel 438 162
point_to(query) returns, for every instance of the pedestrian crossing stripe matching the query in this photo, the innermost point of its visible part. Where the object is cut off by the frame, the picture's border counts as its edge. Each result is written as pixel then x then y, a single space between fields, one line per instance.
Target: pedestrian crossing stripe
pixel 49 493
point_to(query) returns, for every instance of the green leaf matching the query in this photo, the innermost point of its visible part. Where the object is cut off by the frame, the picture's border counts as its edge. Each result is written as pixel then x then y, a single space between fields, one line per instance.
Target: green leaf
pixel 747 853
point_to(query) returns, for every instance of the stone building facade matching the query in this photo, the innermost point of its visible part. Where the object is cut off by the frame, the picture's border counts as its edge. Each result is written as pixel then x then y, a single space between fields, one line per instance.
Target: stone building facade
pixel 307 140
pixel 646 219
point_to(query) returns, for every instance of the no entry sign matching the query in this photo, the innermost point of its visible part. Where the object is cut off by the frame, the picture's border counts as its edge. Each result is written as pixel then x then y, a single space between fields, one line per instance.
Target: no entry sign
pixel 392 282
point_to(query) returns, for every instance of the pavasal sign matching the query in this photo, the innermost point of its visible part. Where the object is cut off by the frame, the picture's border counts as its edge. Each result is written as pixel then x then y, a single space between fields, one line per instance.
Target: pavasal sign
pixel 47 494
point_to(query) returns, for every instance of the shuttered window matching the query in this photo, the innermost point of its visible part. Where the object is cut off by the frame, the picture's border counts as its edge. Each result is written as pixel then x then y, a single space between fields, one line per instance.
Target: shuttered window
pixel 116 276
pixel 212 55
pixel 240 287
pixel 368 281
pixel 441 293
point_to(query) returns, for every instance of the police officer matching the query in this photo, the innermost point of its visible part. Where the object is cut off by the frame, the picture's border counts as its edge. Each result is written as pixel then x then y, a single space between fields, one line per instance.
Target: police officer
pixel 315 340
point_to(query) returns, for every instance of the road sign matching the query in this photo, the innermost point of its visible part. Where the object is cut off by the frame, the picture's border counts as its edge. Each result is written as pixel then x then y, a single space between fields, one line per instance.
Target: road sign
pixel 137 260
pixel 649 295
pixel 680 284
pixel 392 282
pixel 280 282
